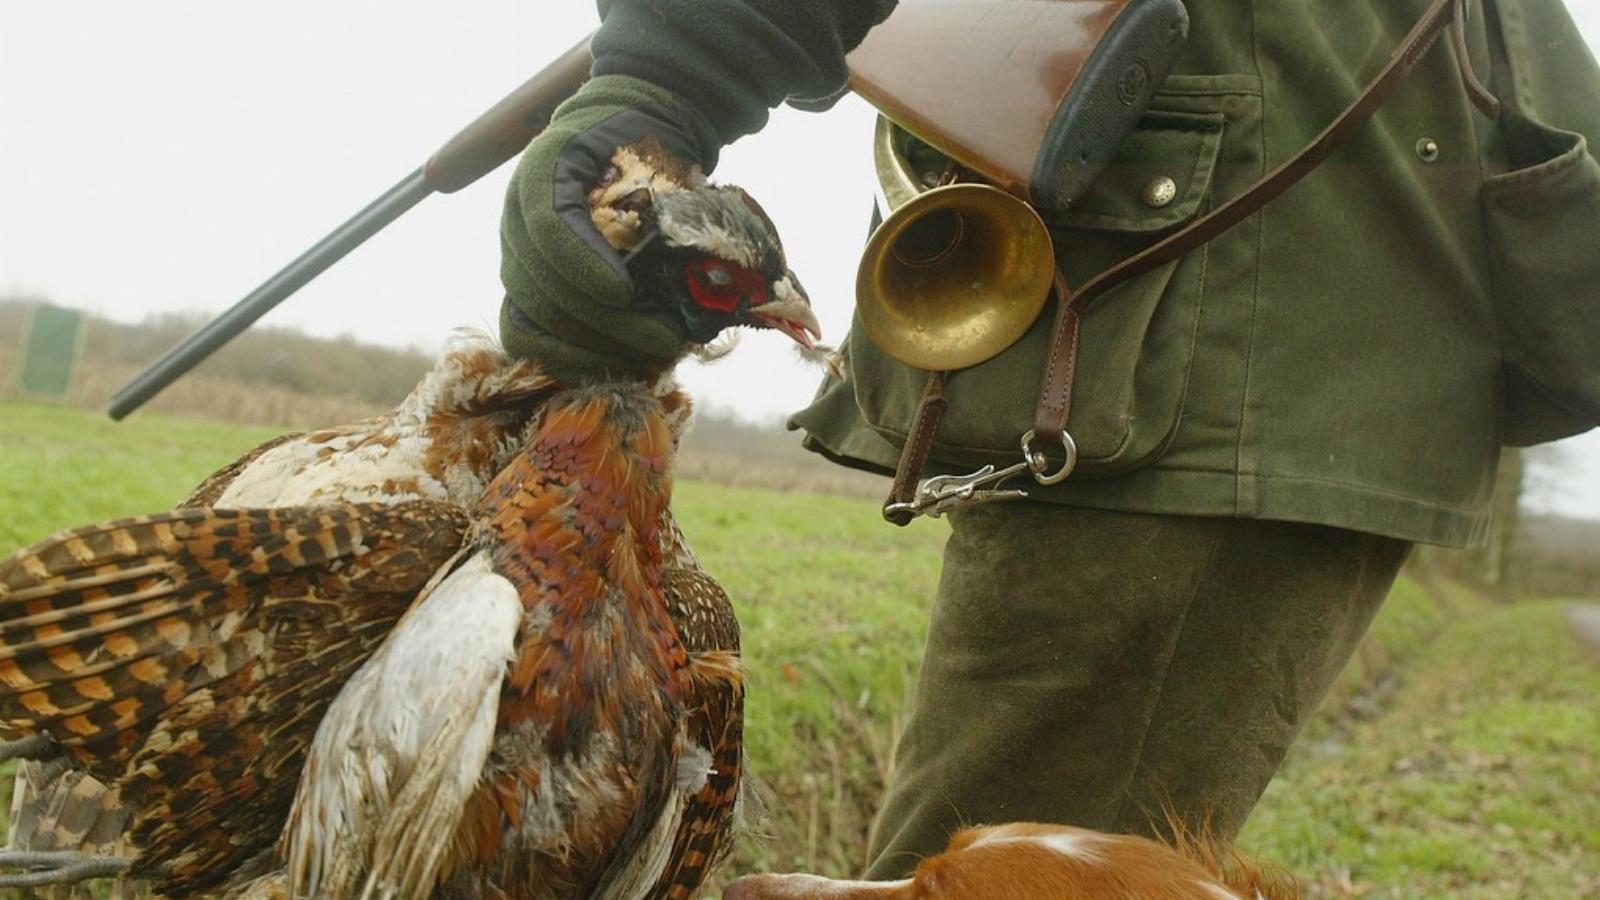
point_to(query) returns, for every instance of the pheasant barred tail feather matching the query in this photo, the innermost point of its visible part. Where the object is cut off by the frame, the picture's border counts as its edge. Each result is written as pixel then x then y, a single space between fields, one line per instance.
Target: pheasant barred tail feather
pixel 141 645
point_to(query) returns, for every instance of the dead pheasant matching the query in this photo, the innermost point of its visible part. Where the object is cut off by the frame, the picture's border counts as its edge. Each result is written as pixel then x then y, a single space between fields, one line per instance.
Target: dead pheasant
pixel 538 689
pixel 110 635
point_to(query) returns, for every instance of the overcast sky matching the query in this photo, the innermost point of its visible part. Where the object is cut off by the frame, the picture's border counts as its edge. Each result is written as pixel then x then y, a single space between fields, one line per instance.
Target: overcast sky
pixel 167 155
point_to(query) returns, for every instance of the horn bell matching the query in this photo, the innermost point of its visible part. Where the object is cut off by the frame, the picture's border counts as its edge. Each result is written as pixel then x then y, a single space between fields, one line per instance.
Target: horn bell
pixel 954 276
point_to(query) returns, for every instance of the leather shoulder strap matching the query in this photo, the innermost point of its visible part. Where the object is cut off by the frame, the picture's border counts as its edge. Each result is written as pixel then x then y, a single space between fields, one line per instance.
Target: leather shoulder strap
pixel 1055 395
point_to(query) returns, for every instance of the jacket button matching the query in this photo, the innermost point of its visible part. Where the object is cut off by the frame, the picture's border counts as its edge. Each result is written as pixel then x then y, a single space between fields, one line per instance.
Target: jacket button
pixel 1159 192
pixel 1427 149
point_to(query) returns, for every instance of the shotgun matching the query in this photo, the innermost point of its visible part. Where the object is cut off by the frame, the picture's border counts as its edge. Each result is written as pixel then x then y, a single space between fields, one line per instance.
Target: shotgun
pixel 1031 95
pixel 476 150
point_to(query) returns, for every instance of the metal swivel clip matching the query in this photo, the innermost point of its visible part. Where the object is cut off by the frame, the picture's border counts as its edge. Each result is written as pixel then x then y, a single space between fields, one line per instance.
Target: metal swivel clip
pixel 941 494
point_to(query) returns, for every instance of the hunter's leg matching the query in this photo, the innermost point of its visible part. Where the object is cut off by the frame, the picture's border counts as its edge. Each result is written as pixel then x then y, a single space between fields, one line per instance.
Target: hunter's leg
pixel 1090 667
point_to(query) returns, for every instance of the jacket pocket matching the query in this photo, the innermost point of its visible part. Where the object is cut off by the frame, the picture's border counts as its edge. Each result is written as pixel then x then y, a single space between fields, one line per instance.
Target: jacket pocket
pixel 1542 220
pixel 1137 341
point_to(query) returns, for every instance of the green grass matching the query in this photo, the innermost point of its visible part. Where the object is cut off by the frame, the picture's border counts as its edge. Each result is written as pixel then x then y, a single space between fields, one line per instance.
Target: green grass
pixel 1412 615
pixel 1456 757
pixel 1480 780
pixel 832 604
pixel 62 467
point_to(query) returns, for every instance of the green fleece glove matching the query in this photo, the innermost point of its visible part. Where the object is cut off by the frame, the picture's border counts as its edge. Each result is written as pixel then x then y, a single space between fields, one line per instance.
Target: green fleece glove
pixel 568 294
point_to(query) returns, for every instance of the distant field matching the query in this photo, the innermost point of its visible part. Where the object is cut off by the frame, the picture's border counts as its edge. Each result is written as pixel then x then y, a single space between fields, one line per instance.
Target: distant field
pixel 1456 759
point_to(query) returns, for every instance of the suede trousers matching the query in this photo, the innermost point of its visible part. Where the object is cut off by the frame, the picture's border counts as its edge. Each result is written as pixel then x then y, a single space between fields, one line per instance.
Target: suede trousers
pixel 1108 669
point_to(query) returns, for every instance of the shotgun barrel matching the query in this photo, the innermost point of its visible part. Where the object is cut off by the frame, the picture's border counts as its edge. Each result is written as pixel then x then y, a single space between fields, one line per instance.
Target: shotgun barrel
pixel 476 150
pixel 194 349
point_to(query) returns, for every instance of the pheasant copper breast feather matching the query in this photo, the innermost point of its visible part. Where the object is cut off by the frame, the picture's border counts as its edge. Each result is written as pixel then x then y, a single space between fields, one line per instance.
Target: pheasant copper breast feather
pixel 461 650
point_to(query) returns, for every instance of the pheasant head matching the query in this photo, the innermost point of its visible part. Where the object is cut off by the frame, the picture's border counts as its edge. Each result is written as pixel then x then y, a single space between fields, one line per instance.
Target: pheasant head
pixel 704 257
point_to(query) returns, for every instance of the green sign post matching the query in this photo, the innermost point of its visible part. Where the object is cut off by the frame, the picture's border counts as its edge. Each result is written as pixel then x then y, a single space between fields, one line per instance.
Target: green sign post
pixel 50 341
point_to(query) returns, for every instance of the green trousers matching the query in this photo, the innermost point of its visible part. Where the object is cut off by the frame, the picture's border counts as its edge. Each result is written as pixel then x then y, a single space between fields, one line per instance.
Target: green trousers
pixel 1100 668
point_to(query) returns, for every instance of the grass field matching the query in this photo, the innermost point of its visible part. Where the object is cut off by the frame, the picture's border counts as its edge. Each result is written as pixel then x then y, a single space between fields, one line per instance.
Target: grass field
pixel 1457 757
pixel 1478 778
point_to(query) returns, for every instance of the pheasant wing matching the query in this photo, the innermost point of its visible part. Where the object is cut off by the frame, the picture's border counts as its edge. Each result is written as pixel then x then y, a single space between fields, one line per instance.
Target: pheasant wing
pixel 209 491
pixel 714 727
pixel 183 659
pixel 402 748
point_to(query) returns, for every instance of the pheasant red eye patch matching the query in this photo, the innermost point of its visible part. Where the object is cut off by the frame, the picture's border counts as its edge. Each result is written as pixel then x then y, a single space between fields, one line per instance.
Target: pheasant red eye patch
pixel 721 286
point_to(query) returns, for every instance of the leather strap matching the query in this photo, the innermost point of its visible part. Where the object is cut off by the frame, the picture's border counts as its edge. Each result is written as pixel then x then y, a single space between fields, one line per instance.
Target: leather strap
pixel 914 455
pixel 1055 391
pixel 1486 102
pixel 1055 394
pixel 1050 417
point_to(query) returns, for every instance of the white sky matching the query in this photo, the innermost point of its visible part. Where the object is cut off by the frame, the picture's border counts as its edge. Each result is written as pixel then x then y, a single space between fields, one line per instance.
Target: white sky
pixel 171 154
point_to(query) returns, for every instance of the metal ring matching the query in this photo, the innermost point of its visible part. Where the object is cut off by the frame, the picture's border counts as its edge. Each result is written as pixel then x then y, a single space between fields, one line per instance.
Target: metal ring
pixel 1038 463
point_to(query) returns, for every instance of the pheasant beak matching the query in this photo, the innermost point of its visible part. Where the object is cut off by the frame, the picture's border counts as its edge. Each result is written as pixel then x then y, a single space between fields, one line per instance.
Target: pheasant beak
pixel 789 311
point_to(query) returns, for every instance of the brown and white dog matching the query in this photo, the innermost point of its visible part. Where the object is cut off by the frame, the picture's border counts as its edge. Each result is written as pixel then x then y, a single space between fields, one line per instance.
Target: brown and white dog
pixel 1028 861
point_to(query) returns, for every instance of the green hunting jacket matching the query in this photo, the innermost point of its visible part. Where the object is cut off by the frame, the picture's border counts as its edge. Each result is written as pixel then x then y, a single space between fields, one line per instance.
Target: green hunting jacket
pixel 1343 357
pixel 1336 358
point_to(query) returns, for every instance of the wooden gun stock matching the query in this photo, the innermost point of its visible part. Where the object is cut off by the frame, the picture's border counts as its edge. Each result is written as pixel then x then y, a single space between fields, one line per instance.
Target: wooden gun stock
pixel 504 130
pixel 1033 95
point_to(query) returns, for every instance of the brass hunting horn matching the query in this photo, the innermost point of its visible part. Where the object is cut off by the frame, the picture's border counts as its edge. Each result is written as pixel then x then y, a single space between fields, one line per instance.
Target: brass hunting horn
pixel 1021 106
pixel 956 273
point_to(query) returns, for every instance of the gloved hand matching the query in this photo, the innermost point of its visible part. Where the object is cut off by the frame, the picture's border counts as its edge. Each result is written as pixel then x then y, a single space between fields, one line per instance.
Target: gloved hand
pixel 567 291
